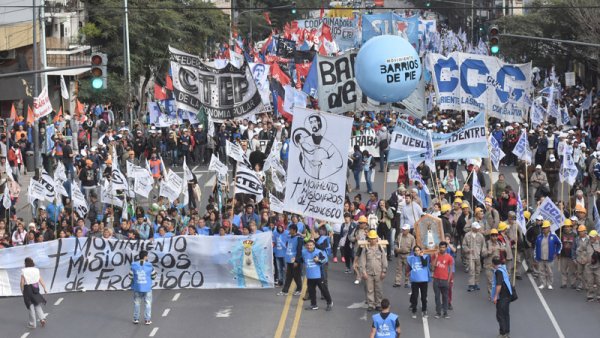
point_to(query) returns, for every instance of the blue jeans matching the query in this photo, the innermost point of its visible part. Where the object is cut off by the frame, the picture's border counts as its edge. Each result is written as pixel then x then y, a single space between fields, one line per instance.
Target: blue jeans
pixel 357 177
pixel 137 300
pixel 280 264
pixel 368 180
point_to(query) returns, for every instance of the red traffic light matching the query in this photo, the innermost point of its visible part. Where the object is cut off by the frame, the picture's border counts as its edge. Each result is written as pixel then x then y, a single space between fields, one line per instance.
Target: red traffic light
pixel 96 60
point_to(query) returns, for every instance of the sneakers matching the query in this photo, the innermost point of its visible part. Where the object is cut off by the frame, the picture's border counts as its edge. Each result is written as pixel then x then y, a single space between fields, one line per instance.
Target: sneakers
pixel 356 282
pixel 281 293
pixel 471 288
pixel 148 322
pixel 564 286
pixel 446 316
pixel 550 287
pixel 329 307
pixel 297 293
pixel 347 271
pixel 425 315
pixel 450 307
pixel 406 286
pixel 414 315
pixel 136 321
pixel 370 308
pixel 311 307
pixel 335 259
pixel 396 285
pixel 541 287
pixel 437 316
pixel 476 287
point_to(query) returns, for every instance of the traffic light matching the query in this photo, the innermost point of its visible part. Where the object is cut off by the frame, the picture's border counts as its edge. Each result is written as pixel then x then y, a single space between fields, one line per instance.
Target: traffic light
pixel 99 72
pixel 494 40
pixel 428 4
pixel 294 7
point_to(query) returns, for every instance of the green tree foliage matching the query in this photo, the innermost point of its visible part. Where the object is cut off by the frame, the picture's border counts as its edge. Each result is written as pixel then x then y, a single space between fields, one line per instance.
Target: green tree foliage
pixel 153 26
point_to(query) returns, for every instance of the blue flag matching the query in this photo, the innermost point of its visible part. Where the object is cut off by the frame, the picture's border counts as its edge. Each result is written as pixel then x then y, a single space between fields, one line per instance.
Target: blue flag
pixel 311 84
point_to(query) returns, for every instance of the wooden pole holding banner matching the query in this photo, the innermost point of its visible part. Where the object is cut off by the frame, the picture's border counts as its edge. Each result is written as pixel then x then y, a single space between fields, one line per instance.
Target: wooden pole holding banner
pixel 514 275
pixel 527 182
pixel 385 173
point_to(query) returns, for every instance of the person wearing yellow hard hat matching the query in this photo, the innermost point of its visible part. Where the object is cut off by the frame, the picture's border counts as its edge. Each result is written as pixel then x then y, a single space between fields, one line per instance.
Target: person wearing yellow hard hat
pixel 492 217
pixel 567 265
pixel 360 234
pixel 404 244
pixel 580 241
pixel 507 243
pixel 372 267
pixel 445 217
pixel 441 200
pixel 547 247
pixel 590 252
pixel 462 224
pixel 516 235
pixel 493 249
pixel 582 219
pixel 473 246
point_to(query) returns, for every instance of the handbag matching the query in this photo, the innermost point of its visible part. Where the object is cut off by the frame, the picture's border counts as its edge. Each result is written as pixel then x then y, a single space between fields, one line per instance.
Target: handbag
pixel 514 295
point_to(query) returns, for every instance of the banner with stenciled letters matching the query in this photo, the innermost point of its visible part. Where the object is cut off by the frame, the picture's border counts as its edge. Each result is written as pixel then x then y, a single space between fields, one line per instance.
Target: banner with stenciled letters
pixel 182 262
pixel 467 142
pixel 366 141
pixel 338 90
pixel 225 93
pixel 390 24
pixel 481 83
pixel 318 153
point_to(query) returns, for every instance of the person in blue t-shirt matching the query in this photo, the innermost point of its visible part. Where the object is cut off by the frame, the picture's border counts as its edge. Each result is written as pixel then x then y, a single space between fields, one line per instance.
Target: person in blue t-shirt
pixel 385 323
pixel 280 238
pixel 418 262
pixel 313 258
pixel 142 273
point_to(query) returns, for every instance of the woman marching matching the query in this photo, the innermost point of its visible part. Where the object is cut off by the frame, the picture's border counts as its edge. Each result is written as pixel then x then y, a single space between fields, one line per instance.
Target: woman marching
pixel 30 287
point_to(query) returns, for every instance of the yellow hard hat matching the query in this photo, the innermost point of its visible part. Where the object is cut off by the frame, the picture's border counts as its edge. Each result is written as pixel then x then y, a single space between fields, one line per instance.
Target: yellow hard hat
pixel 442 191
pixel 464 205
pixel 458 200
pixel 445 208
pixel 502 226
pixel 546 224
pixel 527 214
pixel 372 234
pixel 478 209
pixel 593 233
pixel 581 228
pixel 362 219
pixel 580 208
pixel 458 194
pixel 488 201
pixel 493 232
pixel 568 223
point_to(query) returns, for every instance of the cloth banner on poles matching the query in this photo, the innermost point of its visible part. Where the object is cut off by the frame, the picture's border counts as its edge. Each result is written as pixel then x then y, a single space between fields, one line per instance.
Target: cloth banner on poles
pixel 217 166
pixel 79 203
pixel 182 262
pixel 171 186
pixel 467 142
pixel 227 93
pixel 108 196
pixel 366 141
pixel 481 83
pixel 551 212
pixel 414 175
pixel 235 151
pixel 343 30
pixel 49 186
pixel 142 185
pixel 520 216
pixel 275 204
pixel 64 92
pixel 42 105
pixel 260 72
pixel 317 185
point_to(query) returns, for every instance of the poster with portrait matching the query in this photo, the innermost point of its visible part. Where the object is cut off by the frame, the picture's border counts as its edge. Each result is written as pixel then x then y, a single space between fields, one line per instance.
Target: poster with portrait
pixel 318 153
pixel 429 232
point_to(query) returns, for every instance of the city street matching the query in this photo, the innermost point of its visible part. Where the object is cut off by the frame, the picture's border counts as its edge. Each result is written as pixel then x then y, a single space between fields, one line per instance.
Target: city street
pixel 260 313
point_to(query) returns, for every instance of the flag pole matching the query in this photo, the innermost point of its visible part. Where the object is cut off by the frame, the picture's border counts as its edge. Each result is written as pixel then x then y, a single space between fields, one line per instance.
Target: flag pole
pixel 385 173
pixel 514 275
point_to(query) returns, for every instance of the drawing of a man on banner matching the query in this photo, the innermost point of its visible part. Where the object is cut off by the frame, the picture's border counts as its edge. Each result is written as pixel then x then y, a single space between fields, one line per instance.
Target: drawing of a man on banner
pixel 319 157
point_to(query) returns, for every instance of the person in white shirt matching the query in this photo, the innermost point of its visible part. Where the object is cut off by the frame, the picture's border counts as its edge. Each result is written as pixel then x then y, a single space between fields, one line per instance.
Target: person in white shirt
pixel 30 287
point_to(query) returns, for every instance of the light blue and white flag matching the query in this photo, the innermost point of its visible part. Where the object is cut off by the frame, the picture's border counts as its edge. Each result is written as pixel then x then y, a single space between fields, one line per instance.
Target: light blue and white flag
pixel 477 190
pixel 568 169
pixel 413 175
pixel 548 210
pixel 596 216
pixel 537 113
pixel 522 150
pixel 496 153
pixel 520 217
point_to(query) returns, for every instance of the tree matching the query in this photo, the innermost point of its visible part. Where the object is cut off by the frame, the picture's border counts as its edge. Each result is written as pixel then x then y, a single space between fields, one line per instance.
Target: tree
pixel 190 25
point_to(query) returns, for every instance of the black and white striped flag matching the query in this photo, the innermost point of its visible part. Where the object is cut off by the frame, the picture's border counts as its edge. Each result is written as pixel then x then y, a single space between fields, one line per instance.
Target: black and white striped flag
pixel 248 182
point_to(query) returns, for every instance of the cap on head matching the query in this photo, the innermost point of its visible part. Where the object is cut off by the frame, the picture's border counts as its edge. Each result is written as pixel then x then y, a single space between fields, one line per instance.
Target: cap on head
pixel 546 224
pixel 406 227
pixel 459 194
pixel 458 200
pixel 581 228
pixel 445 208
pixel 593 233
pixel 539 218
pixel 372 234
pixel 568 223
pixel 527 214
pixel 580 208
pixel 362 219
pixel 494 232
pixel 476 225
pixel 464 205
pixel 502 226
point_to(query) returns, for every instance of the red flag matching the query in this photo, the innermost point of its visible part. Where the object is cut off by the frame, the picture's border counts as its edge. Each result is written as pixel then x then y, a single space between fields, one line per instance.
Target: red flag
pixel 266 15
pixel 79 108
pixel 279 75
pixel 169 82
pixel 301 73
pixel 13 112
pixel 159 92
pixel 58 115
pixel 30 116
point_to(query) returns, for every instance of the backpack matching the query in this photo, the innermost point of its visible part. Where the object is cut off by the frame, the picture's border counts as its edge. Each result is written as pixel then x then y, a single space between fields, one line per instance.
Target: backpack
pixel 597 170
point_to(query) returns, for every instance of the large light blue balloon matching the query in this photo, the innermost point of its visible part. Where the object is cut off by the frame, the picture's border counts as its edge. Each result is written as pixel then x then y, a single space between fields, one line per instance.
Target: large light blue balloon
pixel 387 68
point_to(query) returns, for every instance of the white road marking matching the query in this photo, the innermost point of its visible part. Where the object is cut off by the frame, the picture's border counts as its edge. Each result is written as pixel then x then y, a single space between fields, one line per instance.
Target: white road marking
pixel 364 317
pixel 153 332
pixel 166 312
pixel 25 335
pixel 223 313
pixel 426 328
pixel 544 304
pixel 359 305
pixel 176 297
pixel 58 301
